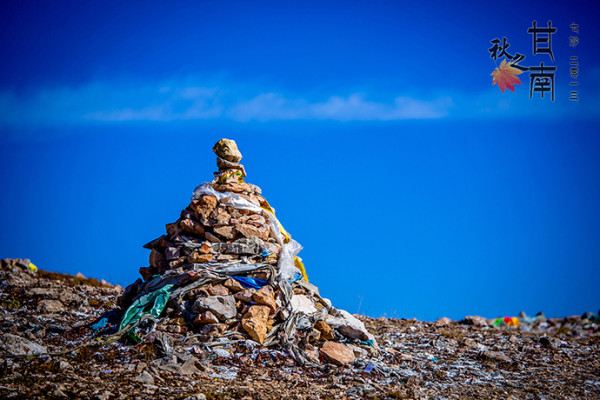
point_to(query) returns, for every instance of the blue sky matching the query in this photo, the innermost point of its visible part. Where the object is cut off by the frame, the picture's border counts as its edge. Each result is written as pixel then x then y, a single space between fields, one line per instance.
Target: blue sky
pixel 415 186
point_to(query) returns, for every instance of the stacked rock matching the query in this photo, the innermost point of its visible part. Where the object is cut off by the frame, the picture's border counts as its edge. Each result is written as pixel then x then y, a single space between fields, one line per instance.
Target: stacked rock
pixel 210 230
pixel 227 268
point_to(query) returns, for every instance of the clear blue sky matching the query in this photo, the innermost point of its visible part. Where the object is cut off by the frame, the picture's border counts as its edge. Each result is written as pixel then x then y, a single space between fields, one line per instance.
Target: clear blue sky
pixel 415 186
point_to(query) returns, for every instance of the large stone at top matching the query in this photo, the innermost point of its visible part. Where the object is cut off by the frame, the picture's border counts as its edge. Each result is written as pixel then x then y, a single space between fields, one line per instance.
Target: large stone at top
pixel 228 150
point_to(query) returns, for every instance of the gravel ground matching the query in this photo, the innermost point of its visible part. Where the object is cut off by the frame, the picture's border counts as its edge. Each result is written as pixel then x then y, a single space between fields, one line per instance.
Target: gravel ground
pixel 48 350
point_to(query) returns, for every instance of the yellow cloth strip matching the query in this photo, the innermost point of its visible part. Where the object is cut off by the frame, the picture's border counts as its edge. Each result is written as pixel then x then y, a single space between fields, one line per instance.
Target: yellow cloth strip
pixel 286 238
pixel 300 265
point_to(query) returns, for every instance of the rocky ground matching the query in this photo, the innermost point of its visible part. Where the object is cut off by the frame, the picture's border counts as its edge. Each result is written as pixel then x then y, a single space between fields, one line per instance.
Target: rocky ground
pixel 48 349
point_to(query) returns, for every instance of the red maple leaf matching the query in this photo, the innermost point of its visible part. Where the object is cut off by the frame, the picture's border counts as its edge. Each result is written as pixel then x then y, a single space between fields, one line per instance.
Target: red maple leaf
pixel 505 76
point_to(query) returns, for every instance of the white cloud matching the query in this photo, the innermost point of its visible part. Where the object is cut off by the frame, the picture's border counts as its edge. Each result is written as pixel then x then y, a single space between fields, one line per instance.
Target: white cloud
pixel 355 107
pixel 189 101
pixel 192 100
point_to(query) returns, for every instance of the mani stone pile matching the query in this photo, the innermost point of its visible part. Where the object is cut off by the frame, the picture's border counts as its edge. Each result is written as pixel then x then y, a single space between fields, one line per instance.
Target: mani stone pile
pixel 227 272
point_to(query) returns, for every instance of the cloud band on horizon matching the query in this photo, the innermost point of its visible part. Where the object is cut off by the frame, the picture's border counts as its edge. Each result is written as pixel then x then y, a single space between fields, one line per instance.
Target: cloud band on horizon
pixel 191 100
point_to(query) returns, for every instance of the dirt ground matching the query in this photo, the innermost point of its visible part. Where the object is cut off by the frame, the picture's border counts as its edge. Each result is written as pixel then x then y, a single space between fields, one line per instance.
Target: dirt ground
pixel 49 350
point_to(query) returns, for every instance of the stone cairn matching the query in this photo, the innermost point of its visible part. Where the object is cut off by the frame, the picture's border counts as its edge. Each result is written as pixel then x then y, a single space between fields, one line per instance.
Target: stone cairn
pixel 227 270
